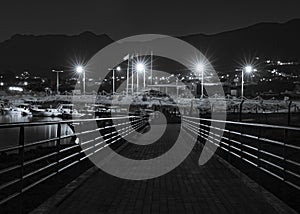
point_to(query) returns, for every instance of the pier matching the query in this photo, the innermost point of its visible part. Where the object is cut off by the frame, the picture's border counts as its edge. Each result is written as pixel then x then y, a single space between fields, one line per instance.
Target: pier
pixel 255 169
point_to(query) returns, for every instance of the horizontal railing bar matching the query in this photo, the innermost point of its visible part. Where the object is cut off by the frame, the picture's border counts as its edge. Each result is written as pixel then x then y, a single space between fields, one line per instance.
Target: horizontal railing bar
pixel 102 128
pixel 271 164
pixel 247 124
pixel 68 157
pixel 293 173
pixel 251 155
pixel 40 142
pixel 272 141
pixel 250 162
pixel 44 123
pixel 271 173
pixel 257 138
pixel 67 166
pixel 254 164
pixel 55 138
pixel 262 168
pixel 69 147
pixel 68 136
pixel 9 198
pixel 293 185
pixel 292 162
pixel 115 138
pixel 2 171
pixel 292 146
pixel 9 183
pixel 38 182
pixel 39 158
pixel 252 136
pixel 11 148
pixel 271 154
pixel 39 170
pixel 84 150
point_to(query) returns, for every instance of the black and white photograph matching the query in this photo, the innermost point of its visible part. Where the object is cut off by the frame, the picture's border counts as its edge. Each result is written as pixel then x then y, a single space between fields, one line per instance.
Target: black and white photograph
pixel 149 107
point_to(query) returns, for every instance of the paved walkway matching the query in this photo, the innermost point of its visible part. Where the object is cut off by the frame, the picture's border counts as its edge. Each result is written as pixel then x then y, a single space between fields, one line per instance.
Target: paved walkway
pixel 190 188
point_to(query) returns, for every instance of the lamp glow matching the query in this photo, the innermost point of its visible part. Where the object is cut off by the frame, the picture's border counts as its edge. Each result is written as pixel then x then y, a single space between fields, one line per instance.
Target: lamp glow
pixel 140 67
pixel 79 69
pixel 200 67
pixel 248 69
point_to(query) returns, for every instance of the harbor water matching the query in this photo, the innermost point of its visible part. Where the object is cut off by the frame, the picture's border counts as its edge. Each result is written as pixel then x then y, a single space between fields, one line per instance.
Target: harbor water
pixel 10 136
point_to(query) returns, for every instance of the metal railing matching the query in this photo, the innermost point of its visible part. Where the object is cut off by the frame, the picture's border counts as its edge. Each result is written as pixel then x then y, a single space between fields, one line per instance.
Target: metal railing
pixel 270 148
pixel 27 170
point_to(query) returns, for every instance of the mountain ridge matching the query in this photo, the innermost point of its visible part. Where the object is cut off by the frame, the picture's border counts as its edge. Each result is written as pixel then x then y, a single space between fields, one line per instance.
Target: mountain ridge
pixel 39 54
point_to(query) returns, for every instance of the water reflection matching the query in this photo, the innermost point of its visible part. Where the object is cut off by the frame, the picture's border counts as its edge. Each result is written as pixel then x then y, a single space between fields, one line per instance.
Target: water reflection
pixel 10 136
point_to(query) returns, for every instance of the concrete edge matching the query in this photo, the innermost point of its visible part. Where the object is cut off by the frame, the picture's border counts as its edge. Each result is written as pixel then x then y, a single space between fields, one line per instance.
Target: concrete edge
pixel 280 206
pixel 63 193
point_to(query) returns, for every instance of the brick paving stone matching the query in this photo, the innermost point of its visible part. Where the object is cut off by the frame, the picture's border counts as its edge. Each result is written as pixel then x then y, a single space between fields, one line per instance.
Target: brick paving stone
pixel 190 188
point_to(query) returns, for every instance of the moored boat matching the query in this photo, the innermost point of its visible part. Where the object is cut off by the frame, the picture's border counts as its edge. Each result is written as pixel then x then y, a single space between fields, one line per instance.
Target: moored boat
pixel 48 112
pixel 68 111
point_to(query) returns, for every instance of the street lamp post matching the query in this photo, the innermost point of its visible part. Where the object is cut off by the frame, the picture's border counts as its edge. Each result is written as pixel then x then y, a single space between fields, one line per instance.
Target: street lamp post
pixel 151 59
pixel 139 68
pixel 200 69
pixel 57 79
pixel 113 78
pixel 248 69
pixel 80 69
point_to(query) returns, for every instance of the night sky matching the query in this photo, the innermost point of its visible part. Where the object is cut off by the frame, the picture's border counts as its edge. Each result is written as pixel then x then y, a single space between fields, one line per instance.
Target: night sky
pixel 124 18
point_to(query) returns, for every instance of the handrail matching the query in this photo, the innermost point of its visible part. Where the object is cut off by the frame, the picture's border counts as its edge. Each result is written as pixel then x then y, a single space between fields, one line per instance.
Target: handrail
pixel 61 156
pixel 247 147
pixel 42 123
pixel 246 124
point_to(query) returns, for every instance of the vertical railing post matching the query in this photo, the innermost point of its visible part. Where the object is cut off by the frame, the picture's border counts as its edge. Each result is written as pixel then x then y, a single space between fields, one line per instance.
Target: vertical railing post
pixel 58 135
pixel 199 138
pixel 285 140
pixel 21 155
pixel 241 146
pixel 229 145
pixel 241 110
pixel 259 148
pixel 289 113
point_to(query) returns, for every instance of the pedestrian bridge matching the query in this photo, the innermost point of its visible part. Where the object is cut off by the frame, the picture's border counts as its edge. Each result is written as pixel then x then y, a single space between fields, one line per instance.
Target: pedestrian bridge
pixel 254 170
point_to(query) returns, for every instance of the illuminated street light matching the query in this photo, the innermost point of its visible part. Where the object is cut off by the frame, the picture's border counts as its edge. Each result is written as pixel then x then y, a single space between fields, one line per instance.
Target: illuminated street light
pixel 140 67
pixel 80 69
pixel 248 69
pixel 200 69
